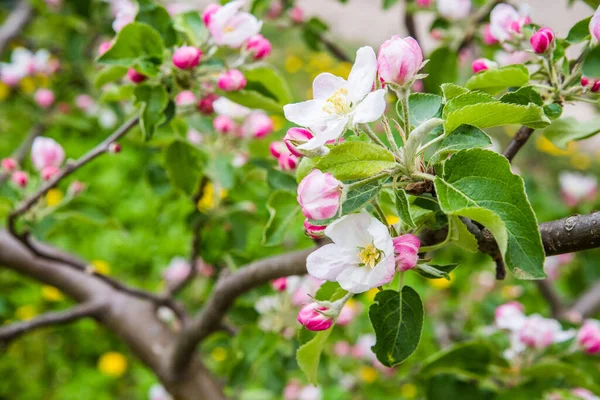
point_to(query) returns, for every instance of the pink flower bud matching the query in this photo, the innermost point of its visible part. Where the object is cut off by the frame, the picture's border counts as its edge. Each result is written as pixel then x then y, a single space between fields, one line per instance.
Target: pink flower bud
pixel 8 164
pixel 319 195
pixel 314 231
pixel 279 284
pixel 259 47
pixel 542 40
pixel 114 148
pixel 209 12
pixel 297 15
pixel 44 98
pixel 277 148
pixel 312 319
pixel 135 76
pixel 46 152
pixel 75 188
pixel 296 137
pixel 49 172
pixel 482 64
pixel 585 81
pixel 399 60
pixel 104 47
pixel 596 86
pixel 186 57
pixel 423 3
pixel 588 337
pixel 185 98
pixel 84 102
pixel 20 178
pixel 584 394
pixel 177 271
pixel 539 332
pixel 257 125
pixel 488 38
pixel 406 249
pixel 231 81
pixel 205 105
pixel 287 161
pixel 224 124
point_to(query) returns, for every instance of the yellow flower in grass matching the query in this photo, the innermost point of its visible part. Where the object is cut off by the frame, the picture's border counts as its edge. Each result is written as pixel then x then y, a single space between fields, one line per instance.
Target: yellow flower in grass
pixel 101 266
pixel 293 64
pixel 581 161
pixel 408 391
pixel 392 219
pixel 27 85
pixel 4 91
pixel 112 364
pixel 367 374
pixel 54 197
pixel 441 283
pixel 50 293
pixel 219 354
pixel 209 200
pixel 25 313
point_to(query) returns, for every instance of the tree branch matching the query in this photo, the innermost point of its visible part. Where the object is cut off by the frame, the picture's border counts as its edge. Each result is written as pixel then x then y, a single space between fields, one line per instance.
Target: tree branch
pixel 84 310
pixel 336 51
pixel 518 141
pixel 15 23
pixel 20 154
pixel 226 291
pixel 588 303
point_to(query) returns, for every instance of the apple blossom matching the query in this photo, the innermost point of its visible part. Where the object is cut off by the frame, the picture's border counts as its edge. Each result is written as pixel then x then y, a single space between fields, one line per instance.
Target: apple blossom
pixel 584 394
pixel 85 102
pixel 361 256
pixel 231 27
pixel 312 318
pixel 205 104
pixel 259 47
pixel 231 81
pixel 297 15
pixel 314 231
pixel 177 271
pixel 193 136
pixel 277 148
pixel 44 98
pixel 46 152
pixel 208 12
pixel 319 195
pixel 185 98
pixel 542 40
pixel 340 104
pixel 588 336
pixel 20 178
pixel 595 25
pixel 257 125
pixel 505 21
pixel 510 316
pixel 539 332
pixel 454 9
pixel 186 57
pixel 135 76
pixel 488 37
pixel 576 187
pixel 224 106
pixel 516 57
pixel 423 3
pixel 399 60
pixel 49 171
pixel 279 284
pixel 406 250
pixel 295 137
pixel 9 164
pixel 482 64
pixel 224 124
pixel 125 12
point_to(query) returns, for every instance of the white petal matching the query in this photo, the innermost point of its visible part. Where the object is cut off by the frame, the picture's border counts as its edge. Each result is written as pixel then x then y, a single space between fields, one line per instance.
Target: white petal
pixel 326 84
pixel 227 11
pixel 381 236
pixel 362 75
pixel 383 272
pixel 351 231
pixel 306 113
pixel 355 279
pixel 328 261
pixel 224 106
pixel 333 130
pixel 371 108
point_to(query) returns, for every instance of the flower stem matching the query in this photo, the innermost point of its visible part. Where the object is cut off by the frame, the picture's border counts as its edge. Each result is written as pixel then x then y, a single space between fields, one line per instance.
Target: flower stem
pixel 363 182
pixel 401 285
pixel 390 135
pixel 424 175
pixel 423 147
pixel 372 135
pixel 404 94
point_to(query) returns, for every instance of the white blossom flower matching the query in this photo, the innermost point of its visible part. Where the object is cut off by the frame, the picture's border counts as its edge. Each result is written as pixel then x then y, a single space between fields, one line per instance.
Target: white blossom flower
pixel 340 104
pixel 361 256
pixel 231 27
pixel 224 106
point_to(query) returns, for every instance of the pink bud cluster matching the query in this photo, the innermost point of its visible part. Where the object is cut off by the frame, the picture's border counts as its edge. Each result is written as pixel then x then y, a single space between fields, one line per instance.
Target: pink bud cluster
pixel 542 40
pixel 186 57
pixel 47 156
pixel 592 84
pixel 406 250
pixel 24 63
pixel 482 64
pixel 311 316
pixel 399 60
pixel 231 81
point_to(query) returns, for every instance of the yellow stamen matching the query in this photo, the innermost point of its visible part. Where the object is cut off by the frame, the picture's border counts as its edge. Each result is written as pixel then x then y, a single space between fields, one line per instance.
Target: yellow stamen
pixel 229 29
pixel 369 255
pixel 337 103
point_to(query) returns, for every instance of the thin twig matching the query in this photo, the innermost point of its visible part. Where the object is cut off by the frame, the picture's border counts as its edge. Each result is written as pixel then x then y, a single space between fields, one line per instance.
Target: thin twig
pixel 517 142
pixel 15 23
pixel 335 51
pixel 409 22
pixel 83 310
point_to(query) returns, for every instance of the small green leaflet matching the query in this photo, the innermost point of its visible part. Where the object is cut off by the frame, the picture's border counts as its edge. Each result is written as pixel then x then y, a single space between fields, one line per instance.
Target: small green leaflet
pixel 403 208
pixel 137 43
pixel 422 106
pixel 496 80
pixel 305 167
pixel 463 137
pixel 564 130
pixel 153 101
pixel 398 322
pixel 432 271
pixel 356 160
pixel 308 355
pixel 283 210
pixel 591 65
pixel 479 184
pixel 184 164
pixel 451 90
pixel 580 31
pixel 442 68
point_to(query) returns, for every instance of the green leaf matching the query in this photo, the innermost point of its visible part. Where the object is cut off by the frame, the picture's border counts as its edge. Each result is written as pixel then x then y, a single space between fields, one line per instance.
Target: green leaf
pixel 564 130
pixel 452 386
pixel 479 184
pixel 356 160
pixel 432 271
pixel 498 79
pixel 451 90
pixel 580 31
pixel 442 68
pixel 466 99
pixel 355 199
pixel 109 74
pixel 280 180
pixel 460 235
pixel 559 371
pixel 403 209
pixel 388 3
pixel 591 64
pixel 184 164
pixel 463 137
pixel 423 106
pixel 269 82
pixel 153 101
pixel 156 16
pixel 314 28
pixel 398 322
pixel 553 110
pixel 192 26
pixel 308 355
pixel 283 209
pixel 254 99
pixel 305 167
pixel 472 357
pixel 330 291
pixel 523 96
pixel 136 43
